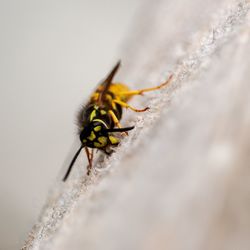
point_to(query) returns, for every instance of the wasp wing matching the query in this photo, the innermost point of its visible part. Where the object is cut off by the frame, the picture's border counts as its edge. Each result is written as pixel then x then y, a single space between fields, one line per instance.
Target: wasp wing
pixel 107 81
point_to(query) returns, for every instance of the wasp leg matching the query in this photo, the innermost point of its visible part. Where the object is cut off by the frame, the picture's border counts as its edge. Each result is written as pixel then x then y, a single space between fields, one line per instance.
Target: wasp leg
pixel 110 100
pixel 141 91
pixel 116 121
pixel 90 159
pixel 92 154
pixel 110 152
pixel 125 105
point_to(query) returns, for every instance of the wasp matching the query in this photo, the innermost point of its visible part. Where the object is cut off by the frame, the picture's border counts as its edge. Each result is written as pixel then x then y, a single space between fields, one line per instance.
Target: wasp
pixel 99 121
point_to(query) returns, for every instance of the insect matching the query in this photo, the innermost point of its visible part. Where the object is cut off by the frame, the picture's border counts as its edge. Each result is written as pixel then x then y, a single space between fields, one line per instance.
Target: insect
pixel 99 121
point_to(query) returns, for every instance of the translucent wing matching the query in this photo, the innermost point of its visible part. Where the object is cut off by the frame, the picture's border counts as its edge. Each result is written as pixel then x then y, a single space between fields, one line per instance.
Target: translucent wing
pixel 107 81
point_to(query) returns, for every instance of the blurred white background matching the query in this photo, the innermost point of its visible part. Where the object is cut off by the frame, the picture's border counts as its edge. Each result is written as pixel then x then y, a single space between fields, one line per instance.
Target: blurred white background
pixel 52 54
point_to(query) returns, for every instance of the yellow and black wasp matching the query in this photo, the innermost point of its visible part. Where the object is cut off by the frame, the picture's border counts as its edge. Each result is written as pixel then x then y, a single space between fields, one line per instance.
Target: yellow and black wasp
pixel 98 121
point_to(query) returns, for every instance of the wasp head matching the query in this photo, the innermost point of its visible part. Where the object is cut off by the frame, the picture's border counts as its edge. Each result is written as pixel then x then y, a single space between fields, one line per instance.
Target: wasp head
pixel 95 134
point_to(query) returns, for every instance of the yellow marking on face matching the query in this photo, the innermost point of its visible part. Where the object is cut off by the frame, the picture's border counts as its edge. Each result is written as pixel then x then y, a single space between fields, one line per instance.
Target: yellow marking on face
pixel 113 140
pixel 84 140
pixel 97 128
pixel 103 112
pixel 92 136
pixel 102 140
pixel 92 115
pixel 97 145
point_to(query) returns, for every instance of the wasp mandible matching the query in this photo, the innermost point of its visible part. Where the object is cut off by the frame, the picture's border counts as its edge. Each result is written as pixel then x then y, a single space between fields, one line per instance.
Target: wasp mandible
pixel 99 121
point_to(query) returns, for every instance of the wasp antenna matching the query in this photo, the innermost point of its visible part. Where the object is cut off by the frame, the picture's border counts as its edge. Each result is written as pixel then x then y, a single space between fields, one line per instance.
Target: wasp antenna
pixel 119 129
pixel 72 163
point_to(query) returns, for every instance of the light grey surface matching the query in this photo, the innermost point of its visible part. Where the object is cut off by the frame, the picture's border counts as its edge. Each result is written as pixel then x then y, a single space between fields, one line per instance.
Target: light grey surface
pixel 181 179
pixel 52 54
